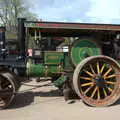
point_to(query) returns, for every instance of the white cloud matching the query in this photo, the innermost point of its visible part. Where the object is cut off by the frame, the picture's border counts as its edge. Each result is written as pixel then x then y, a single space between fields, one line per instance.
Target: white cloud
pixel 91 11
pixel 78 21
pixel 61 10
pixel 105 11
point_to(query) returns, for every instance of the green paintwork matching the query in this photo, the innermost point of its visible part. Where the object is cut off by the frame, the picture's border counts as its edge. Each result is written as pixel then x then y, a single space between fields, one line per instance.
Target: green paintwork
pixel 67 64
pixel 42 70
pixel 83 48
pixel 60 81
pixel 36 70
pixel 53 58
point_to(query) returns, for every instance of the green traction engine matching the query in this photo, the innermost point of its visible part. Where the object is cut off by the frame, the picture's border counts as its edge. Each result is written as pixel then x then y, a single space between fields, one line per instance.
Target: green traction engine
pixel 81 60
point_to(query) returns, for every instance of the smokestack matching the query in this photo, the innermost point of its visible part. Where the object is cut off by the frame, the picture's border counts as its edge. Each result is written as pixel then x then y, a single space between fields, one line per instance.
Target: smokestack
pixel 21 35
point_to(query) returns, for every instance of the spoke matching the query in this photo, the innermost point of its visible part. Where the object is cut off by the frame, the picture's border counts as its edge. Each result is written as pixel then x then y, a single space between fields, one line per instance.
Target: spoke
pixel 86 78
pixel 109 89
pixel 88 89
pixel 89 73
pixel 92 69
pixel 104 92
pixel 87 84
pixel 0 84
pixel 98 93
pixel 98 68
pixel 110 76
pixel 94 92
pixel 1 87
pixel 107 72
pixel 102 68
pixel 109 82
pixel 2 102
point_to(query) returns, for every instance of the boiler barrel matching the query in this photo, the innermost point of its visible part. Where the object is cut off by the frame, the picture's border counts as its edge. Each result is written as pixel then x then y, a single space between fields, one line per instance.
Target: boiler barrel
pixel 41 70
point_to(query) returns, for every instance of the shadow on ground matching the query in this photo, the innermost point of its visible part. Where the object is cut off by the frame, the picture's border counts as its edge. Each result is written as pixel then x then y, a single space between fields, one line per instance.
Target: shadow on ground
pixel 25 99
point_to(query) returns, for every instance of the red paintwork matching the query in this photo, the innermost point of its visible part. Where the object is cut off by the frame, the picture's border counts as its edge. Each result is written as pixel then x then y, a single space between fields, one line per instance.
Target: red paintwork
pixel 78 26
pixel 1 30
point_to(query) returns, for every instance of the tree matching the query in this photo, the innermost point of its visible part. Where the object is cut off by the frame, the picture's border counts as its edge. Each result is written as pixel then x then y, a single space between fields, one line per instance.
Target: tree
pixel 10 10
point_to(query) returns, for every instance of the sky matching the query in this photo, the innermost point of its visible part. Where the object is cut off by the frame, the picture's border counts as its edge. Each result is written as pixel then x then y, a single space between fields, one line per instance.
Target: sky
pixel 81 11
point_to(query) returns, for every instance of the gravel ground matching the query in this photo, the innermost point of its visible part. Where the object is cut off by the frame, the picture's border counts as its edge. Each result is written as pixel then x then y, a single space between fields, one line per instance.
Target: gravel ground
pixel 45 104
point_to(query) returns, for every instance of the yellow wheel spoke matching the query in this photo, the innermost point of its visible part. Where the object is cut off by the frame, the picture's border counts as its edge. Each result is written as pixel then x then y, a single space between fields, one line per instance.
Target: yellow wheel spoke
pixel 104 92
pixel 86 78
pixel 98 68
pixel 90 74
pixel 107 72
pixel 92 69
pixel 109 82
pixel 98 93
pixel 87 84
pixel 110 76
pixel 102 68
pixel 94 91
pixel 88 89
pixel 109 89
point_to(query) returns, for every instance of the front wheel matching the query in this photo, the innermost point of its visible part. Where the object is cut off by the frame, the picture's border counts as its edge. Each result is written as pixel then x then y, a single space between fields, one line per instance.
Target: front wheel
pixel 96 80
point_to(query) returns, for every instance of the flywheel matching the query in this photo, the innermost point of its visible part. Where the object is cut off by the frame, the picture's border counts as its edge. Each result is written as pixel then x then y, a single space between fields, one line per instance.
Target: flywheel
pixel 83 48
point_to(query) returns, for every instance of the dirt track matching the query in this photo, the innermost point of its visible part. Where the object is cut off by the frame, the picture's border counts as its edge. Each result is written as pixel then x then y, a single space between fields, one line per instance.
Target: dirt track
pixel 45 104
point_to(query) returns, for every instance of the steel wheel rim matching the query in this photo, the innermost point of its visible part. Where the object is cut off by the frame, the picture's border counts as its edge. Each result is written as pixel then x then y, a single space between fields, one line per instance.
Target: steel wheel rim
pixel 7 89
pixel 91 90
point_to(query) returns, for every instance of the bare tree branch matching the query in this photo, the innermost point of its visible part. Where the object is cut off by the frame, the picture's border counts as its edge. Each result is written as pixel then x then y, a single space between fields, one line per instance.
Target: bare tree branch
pixel 10 10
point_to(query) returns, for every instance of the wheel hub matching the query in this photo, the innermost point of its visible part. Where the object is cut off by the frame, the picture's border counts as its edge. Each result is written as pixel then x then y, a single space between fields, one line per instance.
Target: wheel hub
pixel 99 81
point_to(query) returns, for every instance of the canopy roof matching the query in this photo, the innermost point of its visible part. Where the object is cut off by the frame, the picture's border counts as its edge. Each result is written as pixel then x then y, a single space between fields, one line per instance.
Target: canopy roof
pixel 62 28
pixel 63 25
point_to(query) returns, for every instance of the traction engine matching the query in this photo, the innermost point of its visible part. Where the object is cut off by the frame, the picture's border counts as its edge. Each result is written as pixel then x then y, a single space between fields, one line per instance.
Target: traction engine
pixel 80 59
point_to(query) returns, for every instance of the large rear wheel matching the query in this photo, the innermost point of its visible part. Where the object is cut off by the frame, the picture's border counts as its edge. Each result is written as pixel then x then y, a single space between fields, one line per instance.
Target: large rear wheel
pixel 96 80
pixel 8 87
